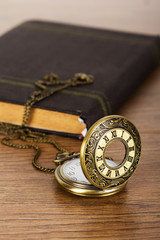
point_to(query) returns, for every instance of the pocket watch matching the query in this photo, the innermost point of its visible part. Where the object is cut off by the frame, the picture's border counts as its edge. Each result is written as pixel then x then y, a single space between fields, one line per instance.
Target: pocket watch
pixel 94 174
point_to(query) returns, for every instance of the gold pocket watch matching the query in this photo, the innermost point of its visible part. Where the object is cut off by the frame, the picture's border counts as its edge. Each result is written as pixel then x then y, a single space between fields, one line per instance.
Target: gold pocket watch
pixel 94 174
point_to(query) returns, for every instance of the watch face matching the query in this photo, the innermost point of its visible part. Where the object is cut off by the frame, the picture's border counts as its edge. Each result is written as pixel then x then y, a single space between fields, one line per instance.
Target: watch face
pixel 102 134
pixel 72 170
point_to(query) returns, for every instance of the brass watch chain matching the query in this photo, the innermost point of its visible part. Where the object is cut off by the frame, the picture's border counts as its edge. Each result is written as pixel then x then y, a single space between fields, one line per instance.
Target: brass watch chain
pixel 49 85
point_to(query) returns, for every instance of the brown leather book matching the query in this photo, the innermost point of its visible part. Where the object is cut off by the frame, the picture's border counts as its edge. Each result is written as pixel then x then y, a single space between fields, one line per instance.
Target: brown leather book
pixel 119 62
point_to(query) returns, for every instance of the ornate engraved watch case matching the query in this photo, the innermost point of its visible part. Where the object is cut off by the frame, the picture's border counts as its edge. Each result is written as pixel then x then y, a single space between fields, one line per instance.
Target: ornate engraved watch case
pixel 95 174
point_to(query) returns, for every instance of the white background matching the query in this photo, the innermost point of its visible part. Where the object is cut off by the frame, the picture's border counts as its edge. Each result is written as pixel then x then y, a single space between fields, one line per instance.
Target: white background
pixel 141 16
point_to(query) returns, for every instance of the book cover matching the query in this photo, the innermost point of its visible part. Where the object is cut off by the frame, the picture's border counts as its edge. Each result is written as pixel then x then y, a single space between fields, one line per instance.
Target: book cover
pixel 118 61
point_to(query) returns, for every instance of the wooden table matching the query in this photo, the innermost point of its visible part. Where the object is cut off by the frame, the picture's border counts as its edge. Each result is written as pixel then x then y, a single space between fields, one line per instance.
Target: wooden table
pixel 33 206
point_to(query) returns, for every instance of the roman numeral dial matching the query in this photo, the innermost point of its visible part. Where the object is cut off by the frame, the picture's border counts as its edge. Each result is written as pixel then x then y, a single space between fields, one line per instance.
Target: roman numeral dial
pixel 113 171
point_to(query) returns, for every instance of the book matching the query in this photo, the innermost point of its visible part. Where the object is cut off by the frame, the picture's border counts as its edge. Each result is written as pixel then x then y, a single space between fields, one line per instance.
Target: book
pixel 118 61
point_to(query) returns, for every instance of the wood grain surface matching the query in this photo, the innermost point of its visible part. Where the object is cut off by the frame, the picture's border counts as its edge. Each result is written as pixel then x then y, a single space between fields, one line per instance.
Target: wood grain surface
pixel 33 206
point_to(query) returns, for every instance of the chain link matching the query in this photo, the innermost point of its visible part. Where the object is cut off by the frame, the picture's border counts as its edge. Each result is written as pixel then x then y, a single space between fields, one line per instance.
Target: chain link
pixel 49 85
